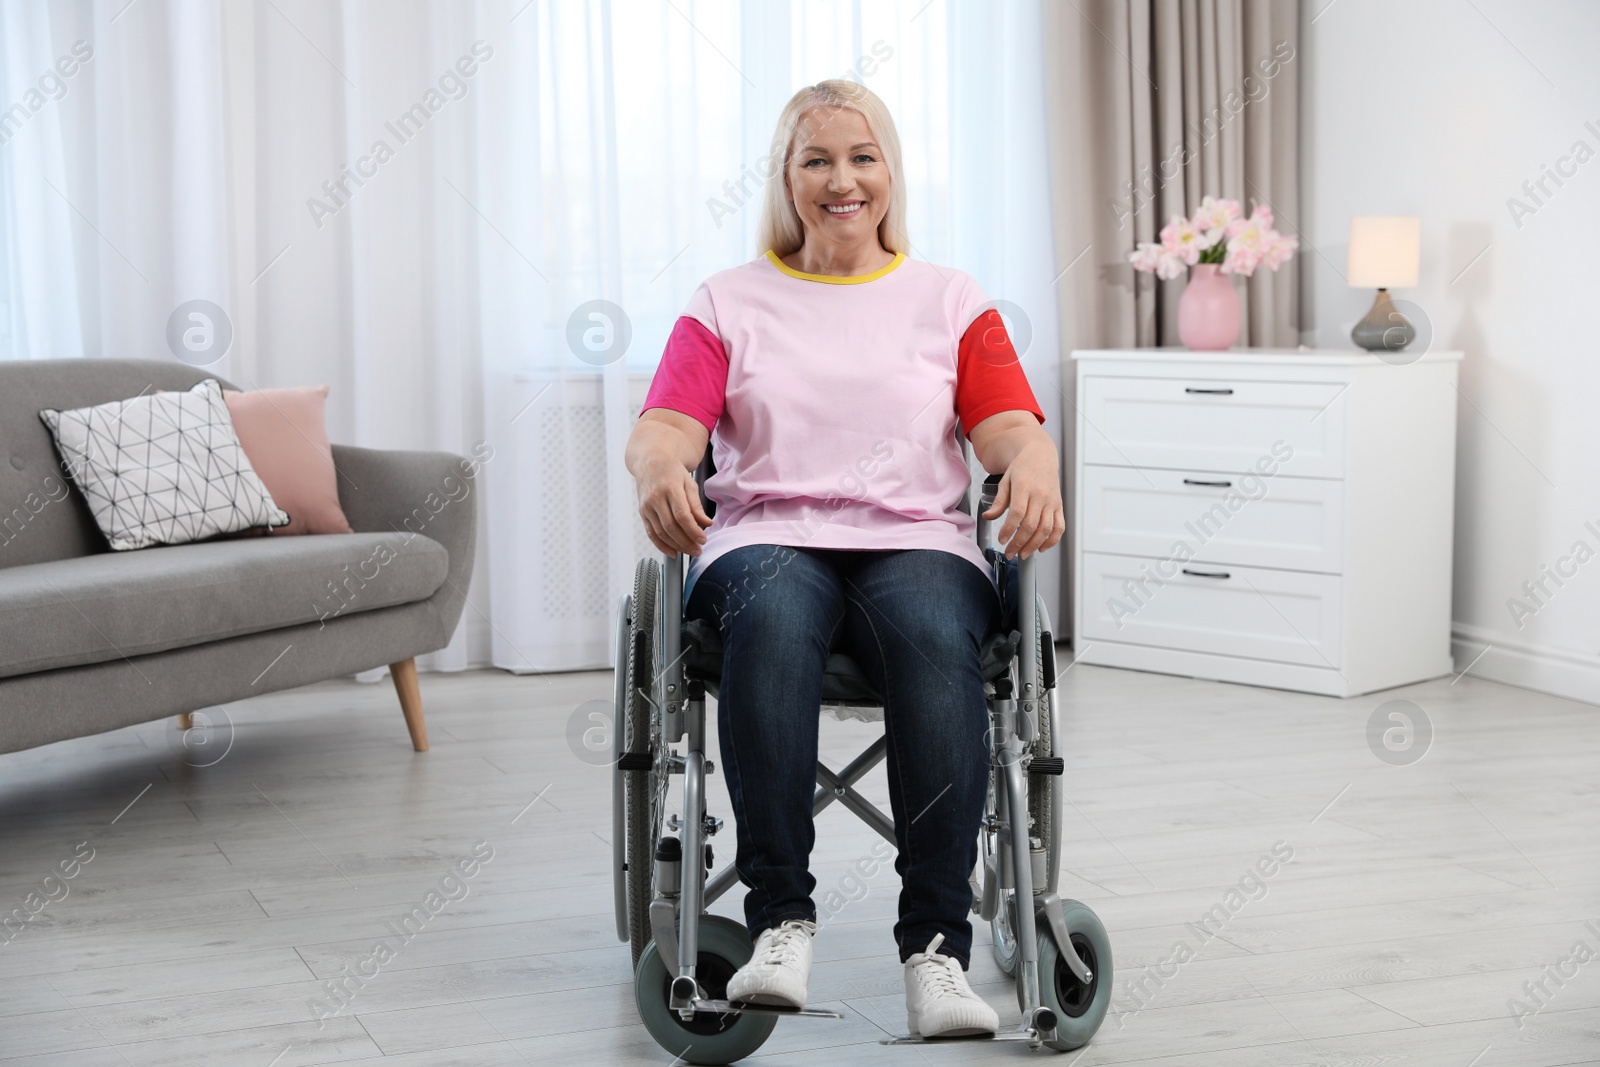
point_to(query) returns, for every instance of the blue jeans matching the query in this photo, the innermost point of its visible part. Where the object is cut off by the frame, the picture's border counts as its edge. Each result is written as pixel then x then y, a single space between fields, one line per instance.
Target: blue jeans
pixel 915 620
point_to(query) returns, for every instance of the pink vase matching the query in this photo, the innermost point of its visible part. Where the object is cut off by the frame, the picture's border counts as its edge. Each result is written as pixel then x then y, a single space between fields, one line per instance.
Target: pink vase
pixel 1208 310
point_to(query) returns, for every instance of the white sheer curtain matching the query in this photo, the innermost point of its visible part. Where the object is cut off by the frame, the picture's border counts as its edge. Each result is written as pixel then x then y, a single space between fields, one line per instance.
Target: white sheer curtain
pixel 475 287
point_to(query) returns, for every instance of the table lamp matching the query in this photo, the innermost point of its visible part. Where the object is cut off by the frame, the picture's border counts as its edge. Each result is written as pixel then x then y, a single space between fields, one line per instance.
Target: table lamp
pixel 1383 254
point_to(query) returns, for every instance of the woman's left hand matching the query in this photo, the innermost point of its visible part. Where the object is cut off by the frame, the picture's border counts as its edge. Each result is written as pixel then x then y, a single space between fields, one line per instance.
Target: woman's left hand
pixel 1030 495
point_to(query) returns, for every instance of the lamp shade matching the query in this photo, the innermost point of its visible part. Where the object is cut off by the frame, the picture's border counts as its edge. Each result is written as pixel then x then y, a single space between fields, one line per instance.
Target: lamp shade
pixel 1383 251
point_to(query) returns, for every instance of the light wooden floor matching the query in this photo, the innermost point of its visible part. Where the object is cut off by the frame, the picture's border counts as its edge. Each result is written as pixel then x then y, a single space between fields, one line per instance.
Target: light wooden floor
pixel 220 898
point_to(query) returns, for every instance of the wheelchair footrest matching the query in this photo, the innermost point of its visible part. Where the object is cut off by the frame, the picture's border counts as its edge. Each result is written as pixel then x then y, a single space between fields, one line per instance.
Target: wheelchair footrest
pixel 742 1008
pixel 1004 1035
pixel 1047 765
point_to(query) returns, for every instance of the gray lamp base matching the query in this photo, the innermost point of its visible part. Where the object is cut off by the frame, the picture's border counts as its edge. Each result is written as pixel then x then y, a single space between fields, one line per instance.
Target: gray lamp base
pixel 1384 329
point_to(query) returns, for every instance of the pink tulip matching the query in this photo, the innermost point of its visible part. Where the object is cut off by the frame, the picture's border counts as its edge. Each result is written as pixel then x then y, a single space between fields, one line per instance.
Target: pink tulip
pixel 1171 265
pixel 1241 260
pixel 1280 249
pixel 1146 256
pixel 1214 215
pixel 1182 237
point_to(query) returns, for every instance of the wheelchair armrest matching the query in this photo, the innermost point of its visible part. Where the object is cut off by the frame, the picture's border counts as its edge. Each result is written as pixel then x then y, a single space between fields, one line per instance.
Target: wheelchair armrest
pixel 991 488
pixel 706 469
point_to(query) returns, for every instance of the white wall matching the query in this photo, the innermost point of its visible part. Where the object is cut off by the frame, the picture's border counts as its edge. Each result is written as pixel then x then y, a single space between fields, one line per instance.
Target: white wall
pixel 1444 110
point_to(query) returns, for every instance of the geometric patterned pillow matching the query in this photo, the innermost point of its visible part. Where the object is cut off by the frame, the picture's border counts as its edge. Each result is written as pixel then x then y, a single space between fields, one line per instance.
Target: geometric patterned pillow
pixel 163 469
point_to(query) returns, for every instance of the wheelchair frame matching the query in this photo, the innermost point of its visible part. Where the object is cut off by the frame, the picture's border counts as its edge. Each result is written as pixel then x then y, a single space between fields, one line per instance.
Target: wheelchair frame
pixel 1018 865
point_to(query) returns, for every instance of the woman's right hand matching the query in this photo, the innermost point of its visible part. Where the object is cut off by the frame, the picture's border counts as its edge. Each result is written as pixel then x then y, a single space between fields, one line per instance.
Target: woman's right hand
pixel 669 503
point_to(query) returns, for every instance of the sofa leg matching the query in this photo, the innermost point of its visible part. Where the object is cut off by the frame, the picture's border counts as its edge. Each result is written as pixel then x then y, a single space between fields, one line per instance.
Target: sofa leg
pixel 404 674
pixel 186 720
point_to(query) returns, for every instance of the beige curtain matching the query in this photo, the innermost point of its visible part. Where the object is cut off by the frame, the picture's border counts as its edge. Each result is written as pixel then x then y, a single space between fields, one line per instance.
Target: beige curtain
pixel 1152 105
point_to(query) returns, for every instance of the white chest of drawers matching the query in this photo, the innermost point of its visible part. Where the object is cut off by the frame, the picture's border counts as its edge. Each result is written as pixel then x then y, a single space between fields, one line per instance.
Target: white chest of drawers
pixel 1267 516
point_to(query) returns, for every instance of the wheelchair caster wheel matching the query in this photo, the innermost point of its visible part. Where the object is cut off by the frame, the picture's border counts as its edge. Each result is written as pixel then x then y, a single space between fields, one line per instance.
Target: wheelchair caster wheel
pixel 1079 1008
pixel 709 1037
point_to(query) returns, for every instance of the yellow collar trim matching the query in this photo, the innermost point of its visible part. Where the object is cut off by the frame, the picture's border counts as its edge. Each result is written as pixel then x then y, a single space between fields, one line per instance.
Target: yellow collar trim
pixel 834 279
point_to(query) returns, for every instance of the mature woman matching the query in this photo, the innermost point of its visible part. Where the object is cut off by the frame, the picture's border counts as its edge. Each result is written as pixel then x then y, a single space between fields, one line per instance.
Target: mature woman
pixel 829 374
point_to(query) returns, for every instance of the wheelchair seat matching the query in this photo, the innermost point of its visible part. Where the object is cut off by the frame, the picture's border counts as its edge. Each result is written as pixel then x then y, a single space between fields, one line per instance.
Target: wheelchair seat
pixel 844 683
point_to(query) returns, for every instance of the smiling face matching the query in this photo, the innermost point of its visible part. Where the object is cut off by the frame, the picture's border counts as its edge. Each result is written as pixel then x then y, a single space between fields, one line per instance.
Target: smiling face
pixel 837 177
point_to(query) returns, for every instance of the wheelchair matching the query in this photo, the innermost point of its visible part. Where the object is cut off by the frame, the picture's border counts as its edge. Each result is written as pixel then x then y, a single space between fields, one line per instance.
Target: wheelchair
pixel 1057 950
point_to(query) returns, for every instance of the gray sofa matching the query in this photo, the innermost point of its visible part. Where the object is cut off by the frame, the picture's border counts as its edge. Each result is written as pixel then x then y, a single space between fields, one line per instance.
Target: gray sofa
pixel 92 640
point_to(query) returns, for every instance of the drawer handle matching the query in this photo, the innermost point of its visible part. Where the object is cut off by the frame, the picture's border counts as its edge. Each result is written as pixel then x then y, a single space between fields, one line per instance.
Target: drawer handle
pixel 1216 392
pixel 1219 485
pixel 1204 574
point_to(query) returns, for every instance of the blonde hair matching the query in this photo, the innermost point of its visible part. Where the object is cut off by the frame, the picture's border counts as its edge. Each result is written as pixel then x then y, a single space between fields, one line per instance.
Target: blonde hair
pixel 781 229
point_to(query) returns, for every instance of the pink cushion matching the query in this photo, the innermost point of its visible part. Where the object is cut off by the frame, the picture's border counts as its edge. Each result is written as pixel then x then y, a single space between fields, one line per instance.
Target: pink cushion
pixel 286 439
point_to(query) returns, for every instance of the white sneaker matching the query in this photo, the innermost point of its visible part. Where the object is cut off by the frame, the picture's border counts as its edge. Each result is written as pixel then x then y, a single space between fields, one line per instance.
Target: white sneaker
pixel 939 1003
pixel 780 967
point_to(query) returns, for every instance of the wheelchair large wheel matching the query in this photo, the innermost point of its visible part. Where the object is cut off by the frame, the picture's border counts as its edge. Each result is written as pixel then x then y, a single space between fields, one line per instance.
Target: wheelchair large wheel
pixel 1041 788
pixel 641 731
pixel 1041 812
pixel 1079 1008
pixel 710 1037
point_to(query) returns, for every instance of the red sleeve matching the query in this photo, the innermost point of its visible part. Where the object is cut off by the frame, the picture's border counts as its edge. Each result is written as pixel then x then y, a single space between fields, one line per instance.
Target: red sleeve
pixel 693 375
pixel 989 379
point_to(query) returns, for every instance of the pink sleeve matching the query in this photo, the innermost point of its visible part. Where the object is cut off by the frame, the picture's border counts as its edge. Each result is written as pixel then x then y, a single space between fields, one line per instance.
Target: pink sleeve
pixel 693 375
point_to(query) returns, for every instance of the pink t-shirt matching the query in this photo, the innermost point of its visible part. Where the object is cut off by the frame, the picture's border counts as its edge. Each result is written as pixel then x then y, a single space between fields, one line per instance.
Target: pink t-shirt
pixel 832 404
